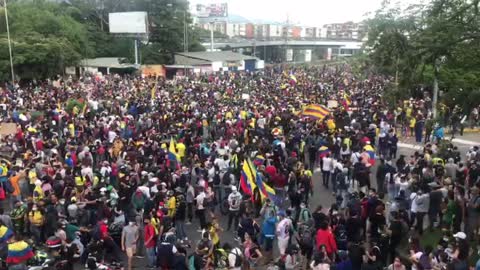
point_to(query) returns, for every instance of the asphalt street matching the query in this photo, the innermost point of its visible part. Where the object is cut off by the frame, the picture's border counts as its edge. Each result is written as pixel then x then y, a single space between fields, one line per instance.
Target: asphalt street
pixel 321 195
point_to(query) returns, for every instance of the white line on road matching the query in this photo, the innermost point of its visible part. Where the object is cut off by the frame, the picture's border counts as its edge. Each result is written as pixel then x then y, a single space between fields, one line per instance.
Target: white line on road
pixel 410 146
pixel 460 141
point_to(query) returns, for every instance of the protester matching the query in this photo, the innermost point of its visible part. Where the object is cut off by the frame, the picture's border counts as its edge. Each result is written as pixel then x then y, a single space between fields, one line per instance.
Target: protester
pixel 128 163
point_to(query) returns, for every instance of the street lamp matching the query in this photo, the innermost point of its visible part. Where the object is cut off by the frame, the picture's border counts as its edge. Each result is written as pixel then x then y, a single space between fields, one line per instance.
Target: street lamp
pixel 9 41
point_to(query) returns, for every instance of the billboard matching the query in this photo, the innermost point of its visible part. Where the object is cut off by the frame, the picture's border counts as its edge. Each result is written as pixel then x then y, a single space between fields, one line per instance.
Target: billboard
pixel 128 22
pixel 212 10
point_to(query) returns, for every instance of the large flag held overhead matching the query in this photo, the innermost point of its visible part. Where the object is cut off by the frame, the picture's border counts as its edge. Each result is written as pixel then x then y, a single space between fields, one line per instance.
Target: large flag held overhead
pixel 19 252
pixel 316 111
pixel 370 153
pixel 248 177
pixel 323 151
pixel 5 233
pixel 172 153
pixel 346 101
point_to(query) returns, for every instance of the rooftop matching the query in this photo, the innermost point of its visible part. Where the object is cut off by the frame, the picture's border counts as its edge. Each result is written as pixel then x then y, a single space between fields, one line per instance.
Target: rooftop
pixel 217 56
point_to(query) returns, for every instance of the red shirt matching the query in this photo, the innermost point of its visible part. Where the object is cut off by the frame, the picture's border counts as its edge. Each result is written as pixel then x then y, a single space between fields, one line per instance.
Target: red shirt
pixel 326 238
pixel 149 232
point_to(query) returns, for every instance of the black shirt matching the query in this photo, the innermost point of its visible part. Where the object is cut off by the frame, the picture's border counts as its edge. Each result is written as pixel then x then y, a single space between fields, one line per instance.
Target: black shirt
pixel 353 227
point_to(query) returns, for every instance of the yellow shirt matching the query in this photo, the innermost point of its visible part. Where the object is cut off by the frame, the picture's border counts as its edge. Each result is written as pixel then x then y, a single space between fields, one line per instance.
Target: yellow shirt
pixel 243 115
pixel 32 175
pixel 413 121
pixel 172 204
pixel 36 218
pixel 71 129
pixel 214 234
pixel 38 194
pixel 229 115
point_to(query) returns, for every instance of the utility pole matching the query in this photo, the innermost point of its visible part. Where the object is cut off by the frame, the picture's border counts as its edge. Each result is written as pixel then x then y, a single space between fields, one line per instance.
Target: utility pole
pixel 212 24
pixel 435 87
pixel 9 41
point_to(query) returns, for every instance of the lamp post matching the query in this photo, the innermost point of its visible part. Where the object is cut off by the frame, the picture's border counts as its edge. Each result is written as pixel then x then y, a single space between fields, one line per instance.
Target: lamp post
pixel 9 41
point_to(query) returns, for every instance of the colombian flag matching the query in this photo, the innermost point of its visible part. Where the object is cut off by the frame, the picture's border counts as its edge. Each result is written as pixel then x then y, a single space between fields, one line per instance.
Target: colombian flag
pixel 346 101
pixel 259 160
pixel 248 177
pixel 172 154
pixel 266 191
pixel 323 151
pixel 371 153
pixel 316 111
pixel 5 233
pixel 19 252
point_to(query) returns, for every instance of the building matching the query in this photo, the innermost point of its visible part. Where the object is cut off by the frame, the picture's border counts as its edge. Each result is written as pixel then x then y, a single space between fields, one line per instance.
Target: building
pixel 348 30
pixel 104 65
pixel 207 62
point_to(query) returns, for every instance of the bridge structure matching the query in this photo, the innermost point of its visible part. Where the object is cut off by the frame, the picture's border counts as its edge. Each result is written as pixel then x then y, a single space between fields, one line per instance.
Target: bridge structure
pixel 290 50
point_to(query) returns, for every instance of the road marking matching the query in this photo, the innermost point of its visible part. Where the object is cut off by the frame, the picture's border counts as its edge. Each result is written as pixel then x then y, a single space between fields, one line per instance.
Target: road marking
pixel 410 146
pixel 460 141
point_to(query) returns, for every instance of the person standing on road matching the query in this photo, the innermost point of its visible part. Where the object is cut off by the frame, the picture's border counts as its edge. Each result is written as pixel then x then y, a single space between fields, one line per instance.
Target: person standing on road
pixel 283 232
pixel 129 241
pixel 149 238
pixel 327 167
pixel 200 200
pixel 234 200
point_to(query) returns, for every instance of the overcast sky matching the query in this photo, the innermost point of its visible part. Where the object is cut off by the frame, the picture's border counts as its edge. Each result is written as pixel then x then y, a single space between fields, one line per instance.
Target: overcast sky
pixel 306 12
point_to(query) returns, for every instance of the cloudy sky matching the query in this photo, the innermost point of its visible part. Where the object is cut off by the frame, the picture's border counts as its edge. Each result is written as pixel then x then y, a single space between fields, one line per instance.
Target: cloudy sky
pixel 306 12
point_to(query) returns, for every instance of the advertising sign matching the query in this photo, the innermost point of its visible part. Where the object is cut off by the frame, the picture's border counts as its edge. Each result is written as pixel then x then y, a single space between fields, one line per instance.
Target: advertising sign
pixel 212 10
pixel 128 22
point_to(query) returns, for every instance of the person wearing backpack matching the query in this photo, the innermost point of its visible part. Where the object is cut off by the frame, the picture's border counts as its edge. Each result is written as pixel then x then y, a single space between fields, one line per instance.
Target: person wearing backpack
pixel 235 257
pixel 304 215
pixel 306 242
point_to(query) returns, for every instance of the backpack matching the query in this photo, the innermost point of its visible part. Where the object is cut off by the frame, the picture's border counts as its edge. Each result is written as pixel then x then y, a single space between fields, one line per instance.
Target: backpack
pixel 305 215
pixel 341 237
pixel 307 236
pixel 238 259
pixel 226 178
pixel 216 178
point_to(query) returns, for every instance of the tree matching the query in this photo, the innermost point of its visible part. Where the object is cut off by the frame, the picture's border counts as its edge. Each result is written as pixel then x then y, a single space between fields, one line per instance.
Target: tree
pixel 409 43
pixel 44 40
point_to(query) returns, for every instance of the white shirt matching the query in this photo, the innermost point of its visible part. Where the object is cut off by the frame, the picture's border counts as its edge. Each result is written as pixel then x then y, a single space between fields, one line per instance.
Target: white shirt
pixel 232 258
pixel 327 164
pixel 283 228
pixel 234 200
pixel 200 199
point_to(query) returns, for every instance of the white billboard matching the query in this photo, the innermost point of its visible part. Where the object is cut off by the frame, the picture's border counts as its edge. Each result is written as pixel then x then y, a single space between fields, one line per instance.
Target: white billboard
pixel 128 22
pixel 212 10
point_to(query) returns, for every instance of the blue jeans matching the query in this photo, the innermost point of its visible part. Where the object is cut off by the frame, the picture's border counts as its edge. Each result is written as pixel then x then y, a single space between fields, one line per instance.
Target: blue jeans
pixel 151 256
pixel 180 229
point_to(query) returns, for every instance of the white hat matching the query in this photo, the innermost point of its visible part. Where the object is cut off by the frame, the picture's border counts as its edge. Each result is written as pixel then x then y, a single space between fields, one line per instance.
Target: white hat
pixel 234 188
pixel 38 182
pixel 460 235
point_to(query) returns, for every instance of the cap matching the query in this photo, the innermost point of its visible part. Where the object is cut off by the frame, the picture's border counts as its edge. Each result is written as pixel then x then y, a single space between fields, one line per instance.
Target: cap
pixel 460 235
pixel 234 188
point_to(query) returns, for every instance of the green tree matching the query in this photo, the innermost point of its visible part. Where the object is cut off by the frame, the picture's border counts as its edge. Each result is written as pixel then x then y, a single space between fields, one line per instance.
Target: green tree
pixel 44 39
pixel 409 44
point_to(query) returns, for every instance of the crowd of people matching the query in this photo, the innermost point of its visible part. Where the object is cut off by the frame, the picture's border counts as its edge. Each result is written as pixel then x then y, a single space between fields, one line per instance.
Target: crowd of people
pixel 105 167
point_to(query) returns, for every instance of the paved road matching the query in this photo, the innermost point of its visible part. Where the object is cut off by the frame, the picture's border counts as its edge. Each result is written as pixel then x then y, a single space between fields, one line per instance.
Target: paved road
pixel 321 195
